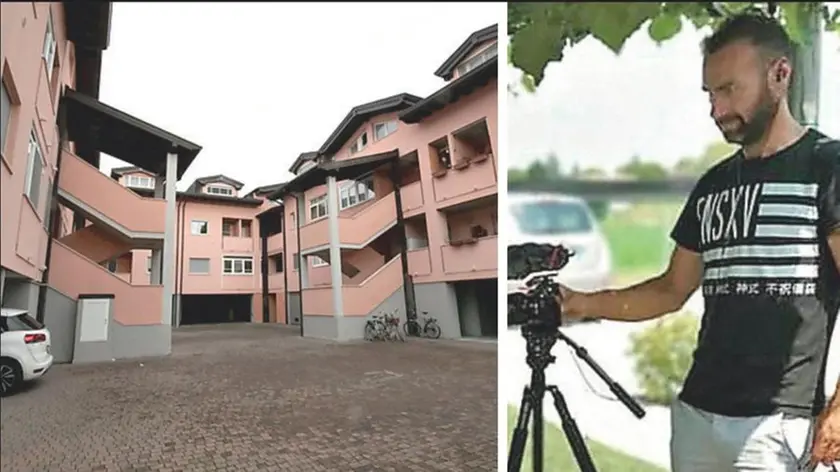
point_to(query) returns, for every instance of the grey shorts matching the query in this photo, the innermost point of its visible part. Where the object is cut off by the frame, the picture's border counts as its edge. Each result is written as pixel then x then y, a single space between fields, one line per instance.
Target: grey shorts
pixel 706 442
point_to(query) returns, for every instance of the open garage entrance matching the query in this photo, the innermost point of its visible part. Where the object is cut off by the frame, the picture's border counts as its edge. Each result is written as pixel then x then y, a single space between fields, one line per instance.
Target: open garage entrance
pixel 214 309
pixel 478 308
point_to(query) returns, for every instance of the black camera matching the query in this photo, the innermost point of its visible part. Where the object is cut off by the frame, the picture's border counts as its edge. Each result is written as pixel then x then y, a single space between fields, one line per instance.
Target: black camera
pixel 532 285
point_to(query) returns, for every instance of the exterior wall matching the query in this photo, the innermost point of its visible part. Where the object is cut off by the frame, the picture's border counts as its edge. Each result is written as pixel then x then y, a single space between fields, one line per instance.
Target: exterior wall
pixel 34 100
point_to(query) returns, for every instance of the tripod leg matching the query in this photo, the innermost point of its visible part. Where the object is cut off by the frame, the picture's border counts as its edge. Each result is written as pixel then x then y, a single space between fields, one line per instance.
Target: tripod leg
pixel 579 449
pixel 520 432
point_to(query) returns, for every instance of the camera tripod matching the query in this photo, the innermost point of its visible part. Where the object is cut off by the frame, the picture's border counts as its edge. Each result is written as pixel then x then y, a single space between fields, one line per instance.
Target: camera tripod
pixel 539 342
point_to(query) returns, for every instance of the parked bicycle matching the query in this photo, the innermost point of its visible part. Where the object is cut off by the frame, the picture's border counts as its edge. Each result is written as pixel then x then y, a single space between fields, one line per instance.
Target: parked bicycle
pixel 383 327
pixel 375 329
pixel 428 329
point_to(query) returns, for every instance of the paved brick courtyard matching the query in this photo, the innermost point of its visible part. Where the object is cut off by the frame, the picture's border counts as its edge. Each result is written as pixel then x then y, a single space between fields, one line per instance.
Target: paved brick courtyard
pixel 260 398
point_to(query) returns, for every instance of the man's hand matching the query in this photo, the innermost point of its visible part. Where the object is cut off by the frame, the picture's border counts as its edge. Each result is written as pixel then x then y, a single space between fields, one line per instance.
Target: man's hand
pixel 571 304
pixel 826 449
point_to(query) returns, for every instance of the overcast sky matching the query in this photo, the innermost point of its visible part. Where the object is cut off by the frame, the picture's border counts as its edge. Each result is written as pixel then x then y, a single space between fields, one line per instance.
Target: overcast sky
pixel 597 108
pixel 256 84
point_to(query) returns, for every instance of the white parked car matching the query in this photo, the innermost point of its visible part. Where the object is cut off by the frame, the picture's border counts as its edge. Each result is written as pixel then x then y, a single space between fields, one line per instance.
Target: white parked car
pixel 24 349
pixel 550 218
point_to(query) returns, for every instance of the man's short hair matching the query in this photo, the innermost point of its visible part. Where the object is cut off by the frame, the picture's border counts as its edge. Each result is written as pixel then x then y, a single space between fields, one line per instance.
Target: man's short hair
pixel 757 28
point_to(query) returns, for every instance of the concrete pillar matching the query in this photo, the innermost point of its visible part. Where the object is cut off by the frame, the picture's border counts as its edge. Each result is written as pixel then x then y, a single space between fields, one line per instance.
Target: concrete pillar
pixel 168 259
pixel 335 247
pixel 156 275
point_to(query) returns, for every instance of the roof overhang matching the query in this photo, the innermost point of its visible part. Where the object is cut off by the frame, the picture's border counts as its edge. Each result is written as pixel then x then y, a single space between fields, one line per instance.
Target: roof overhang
pixel 447 69
pixel 97 126
pixel 347 169
pixel 360 114
pixel 452 92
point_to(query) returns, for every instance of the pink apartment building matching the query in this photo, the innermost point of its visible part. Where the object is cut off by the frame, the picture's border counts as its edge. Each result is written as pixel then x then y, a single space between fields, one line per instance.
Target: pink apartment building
pixel 62 219
pixel 217 273
pixel 396 210
pixel 414 188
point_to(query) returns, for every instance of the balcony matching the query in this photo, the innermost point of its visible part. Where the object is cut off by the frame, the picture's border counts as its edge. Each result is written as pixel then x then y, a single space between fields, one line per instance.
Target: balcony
pixel 233 244
pixel 359 300
pixel 84 188
pixel 358 230
pixel 419 262
pixel 466 180
pixel 474 257
pixel 276 281
pixel 274 243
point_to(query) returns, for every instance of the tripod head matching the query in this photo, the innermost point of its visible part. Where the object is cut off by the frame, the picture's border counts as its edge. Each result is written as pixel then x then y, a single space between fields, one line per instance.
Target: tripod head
pixel 532 285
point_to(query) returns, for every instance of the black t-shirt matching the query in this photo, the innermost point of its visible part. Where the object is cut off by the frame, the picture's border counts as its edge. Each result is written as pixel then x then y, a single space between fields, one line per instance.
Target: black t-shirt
pixel 770 284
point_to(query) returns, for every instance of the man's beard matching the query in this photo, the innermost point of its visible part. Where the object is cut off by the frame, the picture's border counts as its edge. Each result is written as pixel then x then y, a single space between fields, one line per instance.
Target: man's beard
pixel 753 130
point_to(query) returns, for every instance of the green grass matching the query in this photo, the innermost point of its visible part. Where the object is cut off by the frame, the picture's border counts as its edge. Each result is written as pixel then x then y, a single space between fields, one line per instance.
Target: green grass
pixel 639 237
pixel 558 455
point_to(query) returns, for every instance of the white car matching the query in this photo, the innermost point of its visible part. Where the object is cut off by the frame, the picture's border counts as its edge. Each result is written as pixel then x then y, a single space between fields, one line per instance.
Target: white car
pixel 550 218
pixel 24 349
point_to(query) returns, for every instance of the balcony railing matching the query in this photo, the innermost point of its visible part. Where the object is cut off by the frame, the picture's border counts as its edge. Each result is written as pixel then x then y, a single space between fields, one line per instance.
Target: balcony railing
pixel 360 228
pixel 478 175
pixel 358 300
pixel 471 256
pixel 107 199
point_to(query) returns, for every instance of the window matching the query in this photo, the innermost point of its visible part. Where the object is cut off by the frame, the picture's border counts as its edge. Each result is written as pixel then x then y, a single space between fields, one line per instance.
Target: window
pixel 551 217
pixel 34 169
pixel 229 227
pixel 296 261
pixel 199 265
pixel 140 181
pixel 317 208
pixel 49 47
pixel 218 190
pixel 382 130
pixel 238 265
pixel 22 322
pixel 478 59
pixel 246 229
pixel 355 193
pixel 318 262
pixel 199 227
pixel 5 114
pixel 278 263
pixel 360 143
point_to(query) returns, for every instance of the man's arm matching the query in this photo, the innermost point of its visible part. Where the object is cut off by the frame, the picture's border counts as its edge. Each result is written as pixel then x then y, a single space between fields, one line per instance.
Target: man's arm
pixel 834 244
pixel 650 299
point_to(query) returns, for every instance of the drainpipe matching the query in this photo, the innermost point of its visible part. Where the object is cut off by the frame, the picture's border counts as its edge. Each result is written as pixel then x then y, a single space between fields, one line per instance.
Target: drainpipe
pixel 52 226
pixel 264 269
pixel 182 211
pixel 300 261
pixel 285 268
pixel 408 284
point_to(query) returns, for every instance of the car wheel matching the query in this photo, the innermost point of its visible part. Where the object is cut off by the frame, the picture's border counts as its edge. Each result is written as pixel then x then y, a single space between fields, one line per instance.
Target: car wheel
pixel 10 376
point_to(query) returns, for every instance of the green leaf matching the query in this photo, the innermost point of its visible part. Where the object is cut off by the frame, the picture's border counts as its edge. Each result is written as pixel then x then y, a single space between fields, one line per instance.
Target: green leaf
pixel 614 23
pixel 532 48
pixel 794 21
pixel 664 27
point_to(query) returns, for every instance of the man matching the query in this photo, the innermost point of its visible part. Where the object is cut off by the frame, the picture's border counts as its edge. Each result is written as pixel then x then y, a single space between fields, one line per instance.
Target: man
pixel 761 234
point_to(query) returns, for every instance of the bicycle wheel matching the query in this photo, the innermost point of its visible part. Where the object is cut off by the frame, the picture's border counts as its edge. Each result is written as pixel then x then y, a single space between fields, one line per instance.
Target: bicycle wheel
pixel 432 330
pixel 411 328
pixel 370 331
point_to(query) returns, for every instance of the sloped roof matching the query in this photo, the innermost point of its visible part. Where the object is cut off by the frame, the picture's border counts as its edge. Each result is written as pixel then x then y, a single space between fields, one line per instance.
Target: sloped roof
pixel 447 69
